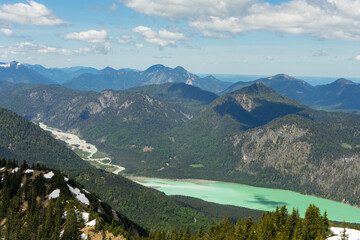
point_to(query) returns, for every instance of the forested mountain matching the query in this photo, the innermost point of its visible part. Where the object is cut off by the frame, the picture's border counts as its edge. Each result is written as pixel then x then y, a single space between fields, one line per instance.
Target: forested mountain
pixel 39 203
pixel 193 98
pixel 23 140
pixel 341 95
pixel 110 78
pixel 61 75
pixel 253 135
pixel 15 72
pixel 126 124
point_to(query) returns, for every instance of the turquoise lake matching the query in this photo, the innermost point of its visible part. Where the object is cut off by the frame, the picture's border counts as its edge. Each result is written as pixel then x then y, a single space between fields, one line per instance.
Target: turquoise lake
pixel 251 197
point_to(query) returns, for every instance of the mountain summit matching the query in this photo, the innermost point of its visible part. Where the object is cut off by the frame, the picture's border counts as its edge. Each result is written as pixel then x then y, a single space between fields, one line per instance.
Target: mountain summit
pixel 16 72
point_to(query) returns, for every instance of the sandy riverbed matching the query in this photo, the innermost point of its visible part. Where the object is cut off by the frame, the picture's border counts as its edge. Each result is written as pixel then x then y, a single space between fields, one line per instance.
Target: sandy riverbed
pixel 74 142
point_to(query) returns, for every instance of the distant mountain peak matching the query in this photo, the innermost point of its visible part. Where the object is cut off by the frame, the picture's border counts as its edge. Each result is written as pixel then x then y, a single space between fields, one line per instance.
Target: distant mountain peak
pixel 257 87
pixel 282 76
pixel 155 67
pixel 179 68
pixel 210 77
pixel 344 81
pixel 108 70
pixel 13 64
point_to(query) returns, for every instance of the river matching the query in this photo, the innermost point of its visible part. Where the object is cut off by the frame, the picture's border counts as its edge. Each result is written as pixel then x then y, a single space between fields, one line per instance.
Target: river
pixel 219 192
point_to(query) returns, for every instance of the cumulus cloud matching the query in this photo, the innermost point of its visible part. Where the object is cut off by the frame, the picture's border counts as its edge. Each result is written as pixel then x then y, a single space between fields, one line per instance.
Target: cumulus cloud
pixel 187 9
pixel 28 48
pixel 139 45
pixel 357 58
pixel 7 32
pixel 162 38
pixel 32 13
pixel 92 36
pixel 126 39
pixel 326 19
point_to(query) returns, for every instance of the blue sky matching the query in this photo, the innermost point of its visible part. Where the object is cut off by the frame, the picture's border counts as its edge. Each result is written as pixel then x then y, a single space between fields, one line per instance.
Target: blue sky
pixel 296 37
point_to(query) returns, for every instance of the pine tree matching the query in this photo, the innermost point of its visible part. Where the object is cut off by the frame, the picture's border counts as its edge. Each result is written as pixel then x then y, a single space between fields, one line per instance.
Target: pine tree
pixel 239 230
pixel 343 235
pixel 71 231
pixel 200 233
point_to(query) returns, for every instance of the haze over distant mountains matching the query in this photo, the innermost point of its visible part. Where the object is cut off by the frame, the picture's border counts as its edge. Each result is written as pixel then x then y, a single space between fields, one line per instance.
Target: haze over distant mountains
pixel 341 95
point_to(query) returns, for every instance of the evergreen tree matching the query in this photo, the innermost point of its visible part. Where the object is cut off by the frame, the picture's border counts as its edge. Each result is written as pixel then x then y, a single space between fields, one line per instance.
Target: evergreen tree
pixel 200 233
pixel 71 230
pixel 343 235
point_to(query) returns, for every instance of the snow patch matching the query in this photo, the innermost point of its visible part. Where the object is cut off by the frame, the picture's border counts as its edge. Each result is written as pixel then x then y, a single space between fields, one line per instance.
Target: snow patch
pixel 83 236
pixel 86 191
pixel 353 234
pixel 15 170
pixel 189 82
pixel 66 179
pixel 5 65
pixel 85 216
pixel 28 171
pixel 49 175
pixel 79 195
pixel 2 169
pixel 91 223
pixel 54 194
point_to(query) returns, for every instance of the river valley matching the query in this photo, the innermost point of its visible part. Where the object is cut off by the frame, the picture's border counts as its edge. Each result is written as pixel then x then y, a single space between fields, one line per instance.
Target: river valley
pixel 213 191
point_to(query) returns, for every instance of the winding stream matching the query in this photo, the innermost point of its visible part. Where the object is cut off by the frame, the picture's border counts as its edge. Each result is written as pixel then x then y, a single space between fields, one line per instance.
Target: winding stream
pixel 75 143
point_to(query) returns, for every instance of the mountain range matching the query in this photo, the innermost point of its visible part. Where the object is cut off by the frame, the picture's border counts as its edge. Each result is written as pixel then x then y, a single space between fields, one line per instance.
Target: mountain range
pixel 110 78
pixel 15 72
pixel 61 75
pixel 253 135
pixel 341 95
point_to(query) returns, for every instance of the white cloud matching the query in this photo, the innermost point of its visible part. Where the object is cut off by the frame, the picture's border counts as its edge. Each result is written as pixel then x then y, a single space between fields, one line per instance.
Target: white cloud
pixel 27 48
pixel 357 58
pixel 126 39
pixel 7 32
pixel 162 38
pixel 139 45
pixel 30 48
pixel 326 19
pixel 187 9
pixel 32 13
pixel 92 36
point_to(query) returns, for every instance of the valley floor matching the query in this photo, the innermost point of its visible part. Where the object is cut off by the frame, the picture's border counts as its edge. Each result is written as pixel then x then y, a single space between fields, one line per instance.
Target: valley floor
pixel 85 150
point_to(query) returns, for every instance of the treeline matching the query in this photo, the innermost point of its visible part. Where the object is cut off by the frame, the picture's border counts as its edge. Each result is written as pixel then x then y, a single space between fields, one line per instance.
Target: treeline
pixel 277 225
pixel 26 212
pixel 23 140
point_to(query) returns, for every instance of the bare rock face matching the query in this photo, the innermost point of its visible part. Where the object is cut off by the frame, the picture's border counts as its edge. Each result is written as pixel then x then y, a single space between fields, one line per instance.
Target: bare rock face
pixel 245 102
pixel 277 148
